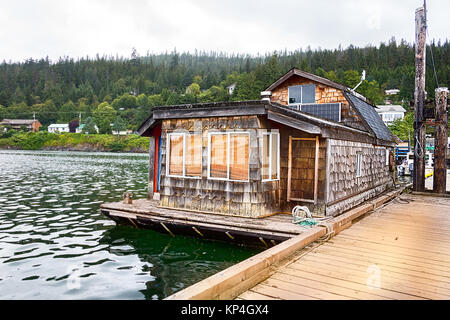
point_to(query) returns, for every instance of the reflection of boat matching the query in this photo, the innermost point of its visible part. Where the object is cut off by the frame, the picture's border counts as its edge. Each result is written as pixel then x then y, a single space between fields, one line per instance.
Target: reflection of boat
pixel 408 163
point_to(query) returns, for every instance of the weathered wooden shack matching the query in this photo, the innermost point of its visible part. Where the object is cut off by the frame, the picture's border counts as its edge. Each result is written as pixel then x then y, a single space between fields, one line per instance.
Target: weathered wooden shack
pixel 309 142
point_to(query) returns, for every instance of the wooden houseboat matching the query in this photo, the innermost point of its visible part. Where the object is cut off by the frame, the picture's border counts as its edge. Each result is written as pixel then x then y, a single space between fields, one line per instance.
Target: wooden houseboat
pixel 309 141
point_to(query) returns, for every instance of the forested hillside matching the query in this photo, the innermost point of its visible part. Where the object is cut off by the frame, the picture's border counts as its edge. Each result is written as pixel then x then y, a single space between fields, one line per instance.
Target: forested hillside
pixel 106 87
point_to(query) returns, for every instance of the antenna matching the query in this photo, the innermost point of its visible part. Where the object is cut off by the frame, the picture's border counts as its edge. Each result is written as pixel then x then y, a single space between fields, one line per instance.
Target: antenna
pixel 363 77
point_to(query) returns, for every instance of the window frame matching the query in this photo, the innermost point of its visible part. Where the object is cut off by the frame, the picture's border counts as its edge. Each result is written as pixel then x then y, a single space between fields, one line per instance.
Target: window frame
pixel 184 176
pixel 271 134
pixel 228 133
pixel 301 94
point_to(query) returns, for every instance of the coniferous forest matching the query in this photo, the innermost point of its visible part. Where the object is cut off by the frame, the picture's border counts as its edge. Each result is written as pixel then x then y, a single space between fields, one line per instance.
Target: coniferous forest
pixel 106 88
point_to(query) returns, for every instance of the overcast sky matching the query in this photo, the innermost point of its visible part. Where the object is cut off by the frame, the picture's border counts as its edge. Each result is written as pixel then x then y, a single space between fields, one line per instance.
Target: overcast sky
pixel 39 28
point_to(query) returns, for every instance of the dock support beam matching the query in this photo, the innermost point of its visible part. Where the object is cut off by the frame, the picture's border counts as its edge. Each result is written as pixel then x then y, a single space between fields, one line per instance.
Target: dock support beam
pixel 419 102
pixel 440 141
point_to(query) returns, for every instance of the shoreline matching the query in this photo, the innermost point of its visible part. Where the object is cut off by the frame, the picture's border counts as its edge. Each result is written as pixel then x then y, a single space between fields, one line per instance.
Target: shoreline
pixel 75 149
pixel 75 142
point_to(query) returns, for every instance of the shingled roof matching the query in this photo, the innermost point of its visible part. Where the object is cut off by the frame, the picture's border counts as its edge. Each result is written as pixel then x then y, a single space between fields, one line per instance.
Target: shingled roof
pixel 18 122
pixel 370 116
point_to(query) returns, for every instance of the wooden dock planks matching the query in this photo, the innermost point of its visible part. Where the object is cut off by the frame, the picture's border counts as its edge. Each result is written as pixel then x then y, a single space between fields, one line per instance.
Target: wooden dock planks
pixel 407 241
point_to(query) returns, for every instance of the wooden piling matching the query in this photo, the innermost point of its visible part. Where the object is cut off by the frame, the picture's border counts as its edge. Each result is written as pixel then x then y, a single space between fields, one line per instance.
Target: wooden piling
pixel 440 141
pixel 419 101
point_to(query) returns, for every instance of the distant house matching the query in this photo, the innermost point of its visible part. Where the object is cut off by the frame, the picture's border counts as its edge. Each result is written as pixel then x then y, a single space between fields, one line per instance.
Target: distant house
pixel 18 124
pixel 58 128
pixel 230 88
pixel 122 132
pixel 390 92
pixel 80 128
pixel 390 113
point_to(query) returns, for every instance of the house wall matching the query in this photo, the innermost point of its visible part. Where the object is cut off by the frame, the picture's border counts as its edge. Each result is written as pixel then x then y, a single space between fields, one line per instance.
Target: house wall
pixel 302 172
pixel 324 94
pixel 338 190
pixel 342 181
pixel 216 196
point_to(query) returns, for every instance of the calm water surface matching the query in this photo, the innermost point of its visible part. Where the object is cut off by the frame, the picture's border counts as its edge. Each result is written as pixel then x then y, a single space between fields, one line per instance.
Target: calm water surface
pixel 55 243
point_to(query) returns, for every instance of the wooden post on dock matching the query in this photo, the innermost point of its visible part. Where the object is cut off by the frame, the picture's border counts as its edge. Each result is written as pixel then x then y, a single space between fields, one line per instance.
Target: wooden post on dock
pixel 440 141
pixel 419 102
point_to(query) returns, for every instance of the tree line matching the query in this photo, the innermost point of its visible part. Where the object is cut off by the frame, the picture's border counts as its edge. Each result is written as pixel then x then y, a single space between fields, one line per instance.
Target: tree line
pixel 104 88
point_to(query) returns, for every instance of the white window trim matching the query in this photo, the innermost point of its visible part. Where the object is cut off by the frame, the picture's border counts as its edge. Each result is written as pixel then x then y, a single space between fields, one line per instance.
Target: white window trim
pixel 358 164
pixel 301 94
pixel 184 157
pixel 271 134
pixel 228 155
pixel 387 156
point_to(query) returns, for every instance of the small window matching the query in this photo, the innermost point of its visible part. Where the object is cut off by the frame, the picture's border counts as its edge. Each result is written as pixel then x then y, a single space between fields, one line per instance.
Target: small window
pixel 358 164
pixel 387 157
pixel 184 157
pixel 302 94
pixel 193 155
pixel 271 156
pixel 228 156
pixel 176 155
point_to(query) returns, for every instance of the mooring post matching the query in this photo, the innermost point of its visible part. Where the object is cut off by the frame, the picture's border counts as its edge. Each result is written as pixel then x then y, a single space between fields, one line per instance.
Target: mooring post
pixel 440 141
pixel 419 102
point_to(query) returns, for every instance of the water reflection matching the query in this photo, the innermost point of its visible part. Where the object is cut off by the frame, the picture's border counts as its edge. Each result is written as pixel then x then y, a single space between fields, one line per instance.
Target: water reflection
pixel 55 244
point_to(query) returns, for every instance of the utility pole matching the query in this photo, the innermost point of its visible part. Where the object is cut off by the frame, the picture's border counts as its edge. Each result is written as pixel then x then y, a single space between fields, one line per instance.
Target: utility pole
pixel 419 101
pixel 79 119
pixel 440 141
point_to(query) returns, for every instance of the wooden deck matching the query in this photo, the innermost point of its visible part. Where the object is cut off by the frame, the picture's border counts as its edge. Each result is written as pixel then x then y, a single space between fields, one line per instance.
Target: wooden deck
pixel 142 213
pixel 401 251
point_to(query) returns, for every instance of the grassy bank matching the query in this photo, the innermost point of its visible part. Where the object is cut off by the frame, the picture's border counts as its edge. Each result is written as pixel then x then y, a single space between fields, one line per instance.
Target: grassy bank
pixel 74 141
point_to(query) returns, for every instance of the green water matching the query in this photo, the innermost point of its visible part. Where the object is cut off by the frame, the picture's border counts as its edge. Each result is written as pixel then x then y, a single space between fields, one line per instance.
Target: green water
pixel 55 243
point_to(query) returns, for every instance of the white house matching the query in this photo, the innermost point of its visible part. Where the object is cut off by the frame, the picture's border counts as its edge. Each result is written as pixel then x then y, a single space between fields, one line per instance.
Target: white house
pixel 391 91
pixel 230 88
pixel 389 113
pixel 58 128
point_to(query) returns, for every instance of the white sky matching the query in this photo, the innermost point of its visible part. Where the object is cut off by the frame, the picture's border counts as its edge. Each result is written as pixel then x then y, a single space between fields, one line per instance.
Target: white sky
pixel 39 28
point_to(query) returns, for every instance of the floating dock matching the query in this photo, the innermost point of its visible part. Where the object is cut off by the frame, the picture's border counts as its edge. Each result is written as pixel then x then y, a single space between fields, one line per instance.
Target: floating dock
pixel 398 250
pixel 262 232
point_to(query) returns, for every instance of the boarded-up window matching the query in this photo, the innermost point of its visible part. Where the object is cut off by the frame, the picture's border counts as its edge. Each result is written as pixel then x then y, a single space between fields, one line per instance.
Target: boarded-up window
pixel 266 157
pixel 176 142
pixel 184 155
pixel 229 154
pixel 239 156
pixel 274 156
pixel 193 155
pixel 358 164
pixel 271 155
pixel 218 162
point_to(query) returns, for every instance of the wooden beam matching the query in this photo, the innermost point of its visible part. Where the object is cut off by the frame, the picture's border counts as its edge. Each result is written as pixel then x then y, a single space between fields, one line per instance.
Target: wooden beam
pixel 289 170
pixel 440 141
pixel 207 112
pixel 293 123
pixel 316 171
pixel 419 102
